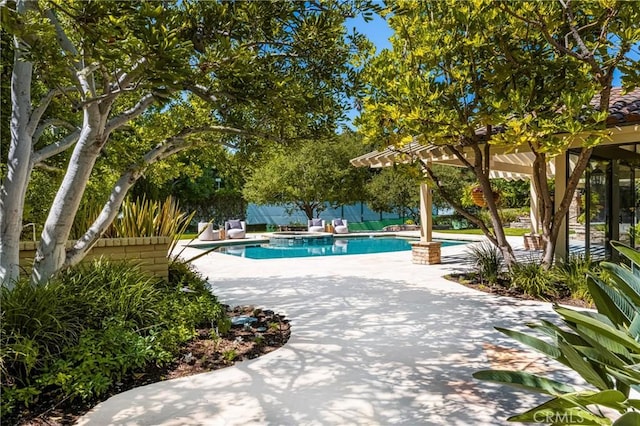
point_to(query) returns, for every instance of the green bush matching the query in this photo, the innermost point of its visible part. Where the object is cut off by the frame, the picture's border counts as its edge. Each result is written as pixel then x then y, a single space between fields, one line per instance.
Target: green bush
pixel 101 358
pixel 117 290
pixel 92 325
pixel 38 322
pixel 488 261
pixel 572 272
pixel 533 279
pixel 512 214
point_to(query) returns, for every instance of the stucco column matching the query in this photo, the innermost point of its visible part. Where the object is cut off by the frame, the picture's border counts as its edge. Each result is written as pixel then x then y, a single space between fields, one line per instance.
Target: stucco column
pixel 426 216
pixel 560 189
pixel 534 213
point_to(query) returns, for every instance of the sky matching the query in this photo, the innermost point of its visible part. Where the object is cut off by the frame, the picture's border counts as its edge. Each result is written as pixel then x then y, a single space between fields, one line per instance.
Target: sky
pixel 378 32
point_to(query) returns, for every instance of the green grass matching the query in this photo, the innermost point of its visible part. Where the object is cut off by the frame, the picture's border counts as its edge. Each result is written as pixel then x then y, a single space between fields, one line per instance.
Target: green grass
pixel 509 232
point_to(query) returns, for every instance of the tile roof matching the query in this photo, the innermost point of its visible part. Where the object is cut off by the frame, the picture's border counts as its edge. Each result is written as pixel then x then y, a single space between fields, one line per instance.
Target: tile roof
pixel 623 108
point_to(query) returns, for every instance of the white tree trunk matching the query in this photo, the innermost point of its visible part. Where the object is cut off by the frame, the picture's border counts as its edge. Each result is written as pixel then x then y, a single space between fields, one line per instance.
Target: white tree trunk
pixel 14 187
pixel 51 252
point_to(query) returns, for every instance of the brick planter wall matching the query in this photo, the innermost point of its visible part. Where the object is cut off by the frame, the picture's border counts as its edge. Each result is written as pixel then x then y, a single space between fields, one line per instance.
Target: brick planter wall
pixel 533 242
pixel 425 253
pixel 149 252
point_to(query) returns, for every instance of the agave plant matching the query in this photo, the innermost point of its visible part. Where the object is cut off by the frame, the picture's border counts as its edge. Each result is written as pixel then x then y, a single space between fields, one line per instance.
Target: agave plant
pixel 146 218
pixel 602 347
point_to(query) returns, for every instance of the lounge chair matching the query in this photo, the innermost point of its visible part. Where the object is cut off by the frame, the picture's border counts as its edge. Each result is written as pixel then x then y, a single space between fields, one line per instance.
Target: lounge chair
pixel 340 226
pixel 315 225
pixel 235 228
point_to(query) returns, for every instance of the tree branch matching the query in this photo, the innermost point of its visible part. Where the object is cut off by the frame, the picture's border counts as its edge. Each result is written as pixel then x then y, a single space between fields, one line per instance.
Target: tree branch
pixel 112 206
pixel 55 148
pixel 586 53
pixel 49 168
pixel 37 113
pixel 64 41
pixel 129 114
pixel 126 78
pixel 52 122
pixel 456 205
pixel 543 27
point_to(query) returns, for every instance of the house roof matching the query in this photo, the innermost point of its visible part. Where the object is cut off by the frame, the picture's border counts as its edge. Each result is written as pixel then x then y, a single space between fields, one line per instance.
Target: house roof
pixel 623 108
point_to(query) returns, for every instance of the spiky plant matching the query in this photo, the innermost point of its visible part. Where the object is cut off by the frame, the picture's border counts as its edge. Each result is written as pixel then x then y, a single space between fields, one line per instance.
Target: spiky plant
pixel 603 347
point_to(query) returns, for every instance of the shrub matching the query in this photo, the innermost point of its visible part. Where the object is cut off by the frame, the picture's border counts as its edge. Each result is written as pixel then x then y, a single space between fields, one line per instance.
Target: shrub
pixel 512 214
pixel 94 324
pixel 488 259
pixel 572 272
pixel 196 304
pixel 532 278
pixel 117 290
pixel 38 322
pixel 101 358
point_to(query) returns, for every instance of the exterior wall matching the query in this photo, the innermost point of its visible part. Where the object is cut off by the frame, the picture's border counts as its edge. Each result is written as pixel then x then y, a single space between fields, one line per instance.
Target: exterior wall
pixel 149 252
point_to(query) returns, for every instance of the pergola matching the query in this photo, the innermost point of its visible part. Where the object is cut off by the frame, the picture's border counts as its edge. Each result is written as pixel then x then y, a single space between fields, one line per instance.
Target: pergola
pixel 507 163
pixel 502 164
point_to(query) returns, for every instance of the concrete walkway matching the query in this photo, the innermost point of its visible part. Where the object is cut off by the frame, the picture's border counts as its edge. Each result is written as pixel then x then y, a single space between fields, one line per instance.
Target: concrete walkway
pixel 375 340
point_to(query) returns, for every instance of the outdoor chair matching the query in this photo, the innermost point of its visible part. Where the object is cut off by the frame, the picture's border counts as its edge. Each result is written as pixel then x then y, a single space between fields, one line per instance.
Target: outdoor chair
pixel 340 226
pixel 235 228
pixel 315 225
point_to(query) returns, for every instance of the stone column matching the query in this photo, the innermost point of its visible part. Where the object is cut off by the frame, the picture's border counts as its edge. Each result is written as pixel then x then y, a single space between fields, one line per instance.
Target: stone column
pixel 425 252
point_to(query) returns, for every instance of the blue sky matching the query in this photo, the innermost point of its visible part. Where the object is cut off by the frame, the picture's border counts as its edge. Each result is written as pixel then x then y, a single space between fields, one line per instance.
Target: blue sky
pixel 375 30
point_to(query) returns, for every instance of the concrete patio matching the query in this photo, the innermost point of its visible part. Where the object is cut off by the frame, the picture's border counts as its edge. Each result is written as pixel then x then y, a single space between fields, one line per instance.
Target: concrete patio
pixel 376 340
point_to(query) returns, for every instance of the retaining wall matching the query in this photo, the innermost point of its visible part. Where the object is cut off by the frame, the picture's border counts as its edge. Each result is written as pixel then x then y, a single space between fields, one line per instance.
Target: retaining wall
pixel 149 252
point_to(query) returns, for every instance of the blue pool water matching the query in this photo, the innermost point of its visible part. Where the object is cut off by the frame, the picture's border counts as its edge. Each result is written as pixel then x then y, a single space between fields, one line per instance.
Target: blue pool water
pixel 340 246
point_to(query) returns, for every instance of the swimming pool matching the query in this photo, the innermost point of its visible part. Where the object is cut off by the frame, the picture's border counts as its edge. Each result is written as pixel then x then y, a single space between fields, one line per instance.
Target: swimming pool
pixel 340 246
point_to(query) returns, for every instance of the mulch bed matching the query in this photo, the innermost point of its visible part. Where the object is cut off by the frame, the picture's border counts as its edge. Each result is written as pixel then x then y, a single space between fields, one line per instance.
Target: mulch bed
pixel 472 280
pixel 267 332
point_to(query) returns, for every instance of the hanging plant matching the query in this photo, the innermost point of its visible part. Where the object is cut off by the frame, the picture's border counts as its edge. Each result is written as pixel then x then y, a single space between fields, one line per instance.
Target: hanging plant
pixel 478 198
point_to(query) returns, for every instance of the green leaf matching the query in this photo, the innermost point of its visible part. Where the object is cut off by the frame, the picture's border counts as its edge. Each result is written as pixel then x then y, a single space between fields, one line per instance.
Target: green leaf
pixel 533 342
pixel 600 355
pixel 625 281
pixel 634 327
pixel 626 251
pixel 606 331
pixel 631 418
pixel 561 416
pixel 554 331
pixel 582 367
pixel 523 380
pixel 609 301
pixel 607 398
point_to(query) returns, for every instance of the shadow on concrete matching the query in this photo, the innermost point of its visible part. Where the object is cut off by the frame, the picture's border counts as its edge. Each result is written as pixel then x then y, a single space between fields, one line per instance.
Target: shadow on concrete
pixel 362 351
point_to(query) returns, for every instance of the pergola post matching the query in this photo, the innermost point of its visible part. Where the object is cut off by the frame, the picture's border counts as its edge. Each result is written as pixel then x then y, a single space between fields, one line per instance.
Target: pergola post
pixel 534 213
pixel 426 215
pixel 426 251
pixel 532 240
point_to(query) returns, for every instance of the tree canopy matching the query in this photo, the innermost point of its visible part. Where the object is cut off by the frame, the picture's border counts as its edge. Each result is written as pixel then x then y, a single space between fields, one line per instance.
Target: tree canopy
pixel 492 73
pixel 128 84
pixel 309 175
